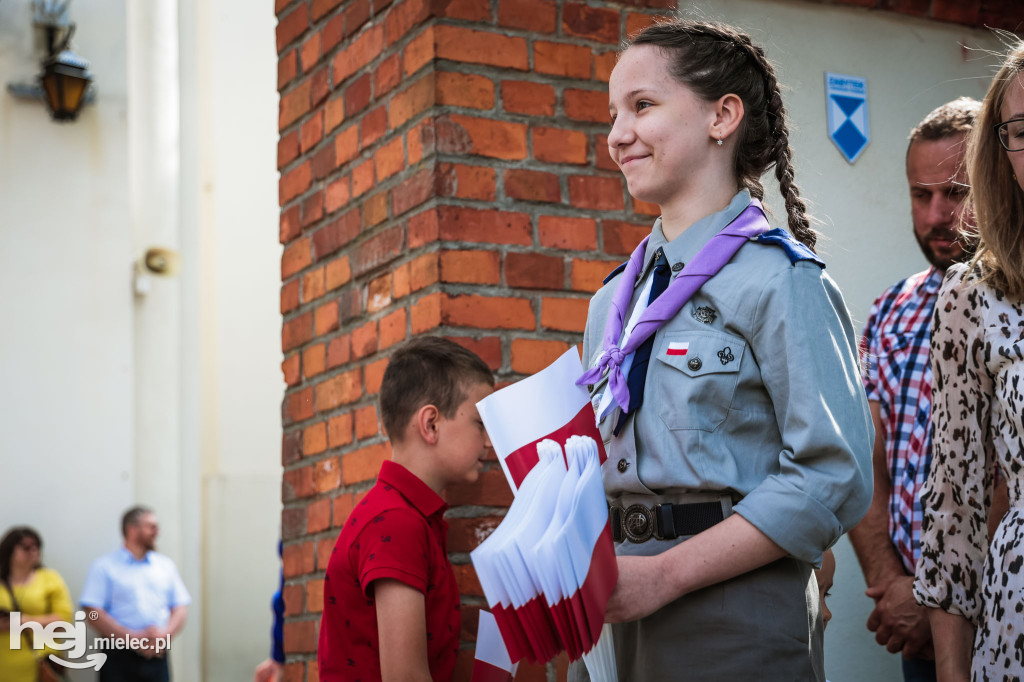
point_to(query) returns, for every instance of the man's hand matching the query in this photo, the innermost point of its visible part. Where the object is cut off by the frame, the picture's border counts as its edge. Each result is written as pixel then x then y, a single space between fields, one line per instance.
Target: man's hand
pixel 5 622
pixel 898 621
pixel 153 633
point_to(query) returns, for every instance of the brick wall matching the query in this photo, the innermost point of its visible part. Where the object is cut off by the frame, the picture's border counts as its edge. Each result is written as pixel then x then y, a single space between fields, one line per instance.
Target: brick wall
pixel 444 169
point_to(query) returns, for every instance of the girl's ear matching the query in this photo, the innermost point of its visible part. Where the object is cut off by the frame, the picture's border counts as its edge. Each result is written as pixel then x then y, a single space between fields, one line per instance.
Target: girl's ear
pixel 728 112
pixel 425 423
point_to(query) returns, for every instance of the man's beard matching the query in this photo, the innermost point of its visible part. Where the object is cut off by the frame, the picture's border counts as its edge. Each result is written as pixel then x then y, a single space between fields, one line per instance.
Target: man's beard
pixel 968 245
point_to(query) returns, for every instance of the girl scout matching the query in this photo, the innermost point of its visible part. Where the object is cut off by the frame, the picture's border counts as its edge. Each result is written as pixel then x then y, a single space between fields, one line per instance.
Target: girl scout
pixel 739 423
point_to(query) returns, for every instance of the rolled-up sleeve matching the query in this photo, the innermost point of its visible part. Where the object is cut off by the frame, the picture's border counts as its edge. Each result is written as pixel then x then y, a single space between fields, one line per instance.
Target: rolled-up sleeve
pixel 804 343
pixel 957 495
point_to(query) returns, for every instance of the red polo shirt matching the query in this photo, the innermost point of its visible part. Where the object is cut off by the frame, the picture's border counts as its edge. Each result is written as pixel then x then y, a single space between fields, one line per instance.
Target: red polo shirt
pixel 397 531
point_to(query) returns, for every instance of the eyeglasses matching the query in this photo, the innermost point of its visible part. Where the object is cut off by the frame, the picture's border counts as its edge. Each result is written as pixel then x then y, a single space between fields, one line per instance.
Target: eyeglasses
pixel 29 546
pixel 1011 134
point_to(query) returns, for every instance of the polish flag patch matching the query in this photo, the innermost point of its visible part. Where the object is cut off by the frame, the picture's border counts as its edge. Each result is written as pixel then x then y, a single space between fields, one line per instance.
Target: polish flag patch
pixel 677 348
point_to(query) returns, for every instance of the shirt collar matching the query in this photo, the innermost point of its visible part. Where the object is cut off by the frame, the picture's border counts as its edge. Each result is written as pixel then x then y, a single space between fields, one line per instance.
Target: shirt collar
pixel 127 557
pixel 418 493
pixel 683 248
pixel 933 280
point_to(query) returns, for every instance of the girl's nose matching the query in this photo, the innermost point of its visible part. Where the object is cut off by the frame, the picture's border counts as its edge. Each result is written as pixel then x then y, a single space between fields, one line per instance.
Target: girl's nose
pixel 620 135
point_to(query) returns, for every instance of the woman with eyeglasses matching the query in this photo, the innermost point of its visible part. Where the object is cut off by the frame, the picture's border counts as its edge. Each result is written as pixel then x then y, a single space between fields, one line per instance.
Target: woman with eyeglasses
pixel 37 594
pixel 975 587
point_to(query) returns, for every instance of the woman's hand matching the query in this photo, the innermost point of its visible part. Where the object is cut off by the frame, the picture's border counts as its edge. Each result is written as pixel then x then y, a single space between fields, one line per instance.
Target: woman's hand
pixel 954 642
pixel 640 590
pixel 723 551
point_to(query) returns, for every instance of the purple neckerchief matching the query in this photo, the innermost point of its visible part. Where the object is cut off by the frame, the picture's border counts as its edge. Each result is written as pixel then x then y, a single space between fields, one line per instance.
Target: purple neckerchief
pixel 705 264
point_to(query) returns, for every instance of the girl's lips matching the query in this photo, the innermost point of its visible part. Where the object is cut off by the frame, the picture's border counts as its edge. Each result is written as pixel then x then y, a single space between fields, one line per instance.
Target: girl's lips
pixel 631 159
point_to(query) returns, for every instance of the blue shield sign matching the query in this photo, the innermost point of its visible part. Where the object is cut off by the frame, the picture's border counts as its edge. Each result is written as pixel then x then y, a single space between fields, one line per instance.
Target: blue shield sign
pixel 846 98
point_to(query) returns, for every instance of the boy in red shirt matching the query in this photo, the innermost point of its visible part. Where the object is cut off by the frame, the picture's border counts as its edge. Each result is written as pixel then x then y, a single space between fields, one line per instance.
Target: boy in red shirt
pixel 391 603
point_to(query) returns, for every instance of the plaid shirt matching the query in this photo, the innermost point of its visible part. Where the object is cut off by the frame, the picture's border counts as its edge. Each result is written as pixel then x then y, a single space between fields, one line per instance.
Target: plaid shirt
pixel 899 377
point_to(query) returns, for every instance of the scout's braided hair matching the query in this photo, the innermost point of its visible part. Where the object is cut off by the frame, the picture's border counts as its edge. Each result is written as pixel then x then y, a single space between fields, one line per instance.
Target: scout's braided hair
pixel 714 60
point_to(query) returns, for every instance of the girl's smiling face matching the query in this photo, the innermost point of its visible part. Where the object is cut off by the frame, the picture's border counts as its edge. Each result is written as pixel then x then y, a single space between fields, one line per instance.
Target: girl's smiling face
pixel 660 136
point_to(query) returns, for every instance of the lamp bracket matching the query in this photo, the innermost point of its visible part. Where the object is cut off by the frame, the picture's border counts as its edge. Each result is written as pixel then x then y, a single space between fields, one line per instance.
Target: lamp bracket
pixel 51 13
pixel 35 92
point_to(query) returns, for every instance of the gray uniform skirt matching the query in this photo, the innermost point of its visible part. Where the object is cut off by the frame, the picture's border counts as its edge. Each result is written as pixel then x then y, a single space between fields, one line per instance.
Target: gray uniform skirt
pixel 764 625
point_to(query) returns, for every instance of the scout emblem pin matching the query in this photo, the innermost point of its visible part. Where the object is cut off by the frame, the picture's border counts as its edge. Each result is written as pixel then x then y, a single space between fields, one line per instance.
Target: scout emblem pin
pixel 704 314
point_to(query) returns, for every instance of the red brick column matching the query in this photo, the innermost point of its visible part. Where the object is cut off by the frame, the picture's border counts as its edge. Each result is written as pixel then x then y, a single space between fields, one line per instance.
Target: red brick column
pixel 444 169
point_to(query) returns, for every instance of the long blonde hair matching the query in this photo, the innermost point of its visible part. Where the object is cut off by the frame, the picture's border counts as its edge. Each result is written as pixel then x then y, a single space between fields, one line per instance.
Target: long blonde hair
pixel 995 196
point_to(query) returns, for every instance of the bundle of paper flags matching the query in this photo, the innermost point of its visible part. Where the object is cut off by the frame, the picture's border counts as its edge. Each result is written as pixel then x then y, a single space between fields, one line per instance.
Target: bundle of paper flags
pixel 492 663
pixel 549 568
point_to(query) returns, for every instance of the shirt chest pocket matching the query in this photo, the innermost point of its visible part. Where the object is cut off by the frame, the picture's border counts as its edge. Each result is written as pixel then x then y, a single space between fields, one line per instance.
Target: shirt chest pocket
pixel 898 350
pixel 695 377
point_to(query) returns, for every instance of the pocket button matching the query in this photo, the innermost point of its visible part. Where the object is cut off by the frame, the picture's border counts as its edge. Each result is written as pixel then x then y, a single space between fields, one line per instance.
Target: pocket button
pixel 623 465
pixel 694 364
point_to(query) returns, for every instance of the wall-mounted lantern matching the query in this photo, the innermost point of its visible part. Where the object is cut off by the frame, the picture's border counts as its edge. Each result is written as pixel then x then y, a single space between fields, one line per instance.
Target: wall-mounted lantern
pixel 65 81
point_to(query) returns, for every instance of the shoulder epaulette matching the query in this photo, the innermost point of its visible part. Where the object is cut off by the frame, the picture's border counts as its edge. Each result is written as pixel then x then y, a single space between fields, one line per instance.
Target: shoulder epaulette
pixel 615 272
pixel 795 250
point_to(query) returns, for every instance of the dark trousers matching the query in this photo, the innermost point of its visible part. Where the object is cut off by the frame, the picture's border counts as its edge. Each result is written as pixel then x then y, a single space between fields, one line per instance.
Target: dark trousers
pixel 918 670
pixel 128 666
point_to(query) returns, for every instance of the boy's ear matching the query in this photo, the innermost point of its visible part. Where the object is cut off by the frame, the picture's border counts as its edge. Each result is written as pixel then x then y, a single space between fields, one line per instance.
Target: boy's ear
pixel 425 422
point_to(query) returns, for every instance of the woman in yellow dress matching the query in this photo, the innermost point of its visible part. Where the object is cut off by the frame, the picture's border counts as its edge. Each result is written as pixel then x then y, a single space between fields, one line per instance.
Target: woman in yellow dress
pixel 41 596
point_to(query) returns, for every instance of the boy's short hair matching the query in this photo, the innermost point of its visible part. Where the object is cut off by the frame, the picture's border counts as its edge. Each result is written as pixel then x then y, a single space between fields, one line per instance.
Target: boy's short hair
pixel 427 370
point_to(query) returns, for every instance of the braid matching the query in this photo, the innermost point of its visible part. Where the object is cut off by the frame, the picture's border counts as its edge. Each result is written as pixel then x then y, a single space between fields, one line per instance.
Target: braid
pixel 713 60
pixel 781 154
pixel 796 209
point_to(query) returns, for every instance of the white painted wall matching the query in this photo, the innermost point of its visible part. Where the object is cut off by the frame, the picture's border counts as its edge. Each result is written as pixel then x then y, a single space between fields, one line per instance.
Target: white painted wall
pixel 67 400
pixel 229 197
pixel 171 399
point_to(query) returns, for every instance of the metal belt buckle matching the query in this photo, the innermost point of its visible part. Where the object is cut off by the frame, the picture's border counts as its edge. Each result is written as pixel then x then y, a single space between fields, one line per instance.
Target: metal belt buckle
pixel 615 516
pixel 638 523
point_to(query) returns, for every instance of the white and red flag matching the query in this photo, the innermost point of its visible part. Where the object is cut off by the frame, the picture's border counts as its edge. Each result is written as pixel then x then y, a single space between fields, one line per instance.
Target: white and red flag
pixel 677 348
pixel 547 405
pixel 549 568
pixel 492 662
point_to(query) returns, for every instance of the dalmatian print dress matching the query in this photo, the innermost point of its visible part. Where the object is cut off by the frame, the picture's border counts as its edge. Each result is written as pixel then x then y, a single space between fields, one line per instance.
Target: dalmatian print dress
pixel 978 403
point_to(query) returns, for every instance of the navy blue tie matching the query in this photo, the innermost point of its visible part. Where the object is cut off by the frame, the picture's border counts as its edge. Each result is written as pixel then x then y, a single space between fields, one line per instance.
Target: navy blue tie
pixel 642 355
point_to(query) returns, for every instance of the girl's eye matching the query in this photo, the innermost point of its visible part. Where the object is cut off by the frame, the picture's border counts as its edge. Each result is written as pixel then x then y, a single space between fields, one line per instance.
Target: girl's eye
pixel 642 104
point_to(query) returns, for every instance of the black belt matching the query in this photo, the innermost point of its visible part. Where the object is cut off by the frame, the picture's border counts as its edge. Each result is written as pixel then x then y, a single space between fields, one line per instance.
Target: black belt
pixel 639 523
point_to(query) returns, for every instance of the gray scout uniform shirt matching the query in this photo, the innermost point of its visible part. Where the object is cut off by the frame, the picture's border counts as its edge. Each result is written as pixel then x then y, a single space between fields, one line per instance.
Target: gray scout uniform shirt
pixel 767 405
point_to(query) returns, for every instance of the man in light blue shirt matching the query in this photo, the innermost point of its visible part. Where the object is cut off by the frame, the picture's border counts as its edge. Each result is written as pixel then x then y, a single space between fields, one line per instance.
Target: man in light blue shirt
pixel 135 598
